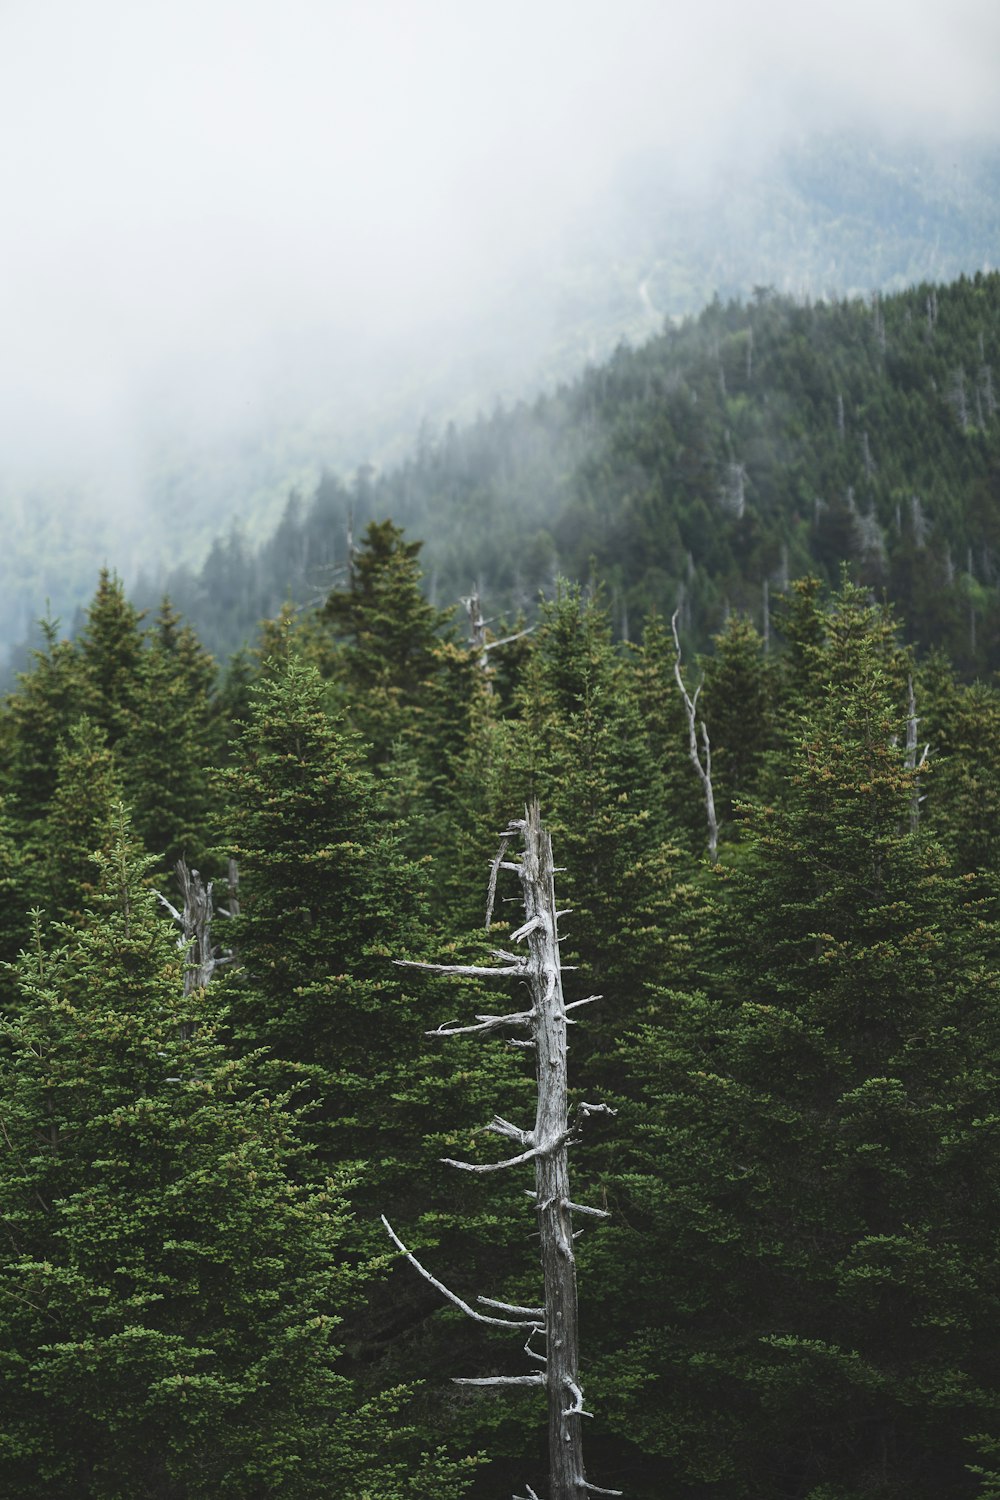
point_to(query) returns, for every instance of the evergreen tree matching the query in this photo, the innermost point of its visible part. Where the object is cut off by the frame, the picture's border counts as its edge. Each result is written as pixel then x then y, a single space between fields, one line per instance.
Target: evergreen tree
pixel 326 900
pixel 960 724
pixel 111 652
pixel 173 744
pixel 37 716
pixel 388 638
pixel 171 1290
pixel 13 917
pixel 816 1177
pixel 579 746
pixel 737 705
pixel 76 823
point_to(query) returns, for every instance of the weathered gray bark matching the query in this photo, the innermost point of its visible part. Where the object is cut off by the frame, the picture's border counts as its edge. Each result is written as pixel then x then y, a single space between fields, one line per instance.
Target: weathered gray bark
pixel 547 1146
pixel 700 759
pixel 202 956
pixel 552 1196
pixel 911 758
pixel 196 921
pixel 478 640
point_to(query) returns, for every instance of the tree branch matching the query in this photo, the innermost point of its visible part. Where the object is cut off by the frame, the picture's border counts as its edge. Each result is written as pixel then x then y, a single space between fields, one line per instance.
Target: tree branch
pixel 485 1023
pixel 576 1410
pixel 582 1208
pixel 491 890
pixel 532 1379
pixel 526 1312
pixel 500 1126
pixel 496 1166
pixel 439 1286
pixel 472 971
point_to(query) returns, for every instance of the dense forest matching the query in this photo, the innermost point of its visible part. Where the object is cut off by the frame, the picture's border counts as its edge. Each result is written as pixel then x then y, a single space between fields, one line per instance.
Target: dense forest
pixel 796 1294
pixel 739 449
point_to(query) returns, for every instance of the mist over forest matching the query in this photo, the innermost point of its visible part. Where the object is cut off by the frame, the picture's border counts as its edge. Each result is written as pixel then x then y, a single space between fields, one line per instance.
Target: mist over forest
pixel 262 249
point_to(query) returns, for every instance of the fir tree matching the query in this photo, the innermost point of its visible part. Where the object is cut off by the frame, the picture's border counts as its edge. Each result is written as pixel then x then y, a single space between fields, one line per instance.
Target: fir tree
pixel 580 747
pixel 38 714
pixel 816 1179
pixel 171 1290
pixel 327 902
pixel 111 652
pixel 388 638
pixel 173 744
pixel 76 823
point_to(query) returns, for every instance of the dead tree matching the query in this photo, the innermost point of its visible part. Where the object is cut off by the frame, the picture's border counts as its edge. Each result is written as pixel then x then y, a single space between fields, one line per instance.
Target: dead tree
pixel 478 640
pixel 700 759
pixel 201 955
pixel 547 1147
pixel 912 764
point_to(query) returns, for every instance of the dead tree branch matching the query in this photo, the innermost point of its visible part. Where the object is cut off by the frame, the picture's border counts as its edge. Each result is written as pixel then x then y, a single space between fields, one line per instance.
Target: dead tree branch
pixel 535 1324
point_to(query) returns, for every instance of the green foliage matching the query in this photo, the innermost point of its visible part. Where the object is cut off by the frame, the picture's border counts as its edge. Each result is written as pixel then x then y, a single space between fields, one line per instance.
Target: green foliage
pixel 327 901
pixel 746 446
pixel 388 637
pixel 37 716
pixel 811 1208
pixel 122 709
pixel 738 702
pixel 77 820
pixel 173 743
pixel 111 653
pixel 171 1289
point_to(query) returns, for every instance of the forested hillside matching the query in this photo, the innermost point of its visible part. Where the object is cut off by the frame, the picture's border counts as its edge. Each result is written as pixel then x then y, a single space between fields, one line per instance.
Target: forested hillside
pixel 796 1294
pixel 826 214
pixel 706 468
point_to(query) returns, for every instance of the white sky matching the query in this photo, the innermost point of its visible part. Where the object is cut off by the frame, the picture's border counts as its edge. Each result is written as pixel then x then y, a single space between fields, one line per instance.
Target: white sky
pixel 189 186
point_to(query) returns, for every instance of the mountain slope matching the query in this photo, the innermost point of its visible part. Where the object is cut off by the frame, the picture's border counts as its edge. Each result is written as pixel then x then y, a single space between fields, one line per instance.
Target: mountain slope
pixel 746 446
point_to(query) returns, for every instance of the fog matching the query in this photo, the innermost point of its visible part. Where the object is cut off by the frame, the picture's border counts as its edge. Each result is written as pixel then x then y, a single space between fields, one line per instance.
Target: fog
pixel 223 217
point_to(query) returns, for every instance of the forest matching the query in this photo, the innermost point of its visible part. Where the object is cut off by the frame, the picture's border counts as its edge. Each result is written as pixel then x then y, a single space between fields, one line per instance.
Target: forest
pixel 753 444
pixel 796 1292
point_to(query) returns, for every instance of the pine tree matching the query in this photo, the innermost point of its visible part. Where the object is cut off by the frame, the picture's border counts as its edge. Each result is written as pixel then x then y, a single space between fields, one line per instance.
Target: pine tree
pixel 171 1290
pixel 327 902
pixel 388 638
pixel 76 823
pixel 737 705
pixel 816 1177
pixel 111 652
pixel 13 916
pixel 37 716
pixel 579 746
pixel 173 744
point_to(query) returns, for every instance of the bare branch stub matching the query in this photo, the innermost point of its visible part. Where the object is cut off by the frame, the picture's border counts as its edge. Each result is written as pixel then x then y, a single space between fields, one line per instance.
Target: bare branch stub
pixel 700 759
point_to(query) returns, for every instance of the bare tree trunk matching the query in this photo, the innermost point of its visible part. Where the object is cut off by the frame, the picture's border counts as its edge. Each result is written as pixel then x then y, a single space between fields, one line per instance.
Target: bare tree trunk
pixel 700 759
pixel 552 1197
pixel 547 1146
pixel 201 955
pixel 196 923
pixel 911 757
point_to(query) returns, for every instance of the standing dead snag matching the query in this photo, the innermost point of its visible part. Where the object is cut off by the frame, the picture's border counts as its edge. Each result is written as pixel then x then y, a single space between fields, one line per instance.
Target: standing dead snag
pixel 547 1147
pixel 912 763
pixel 478 641
pixel 202 956
pixel 700 759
